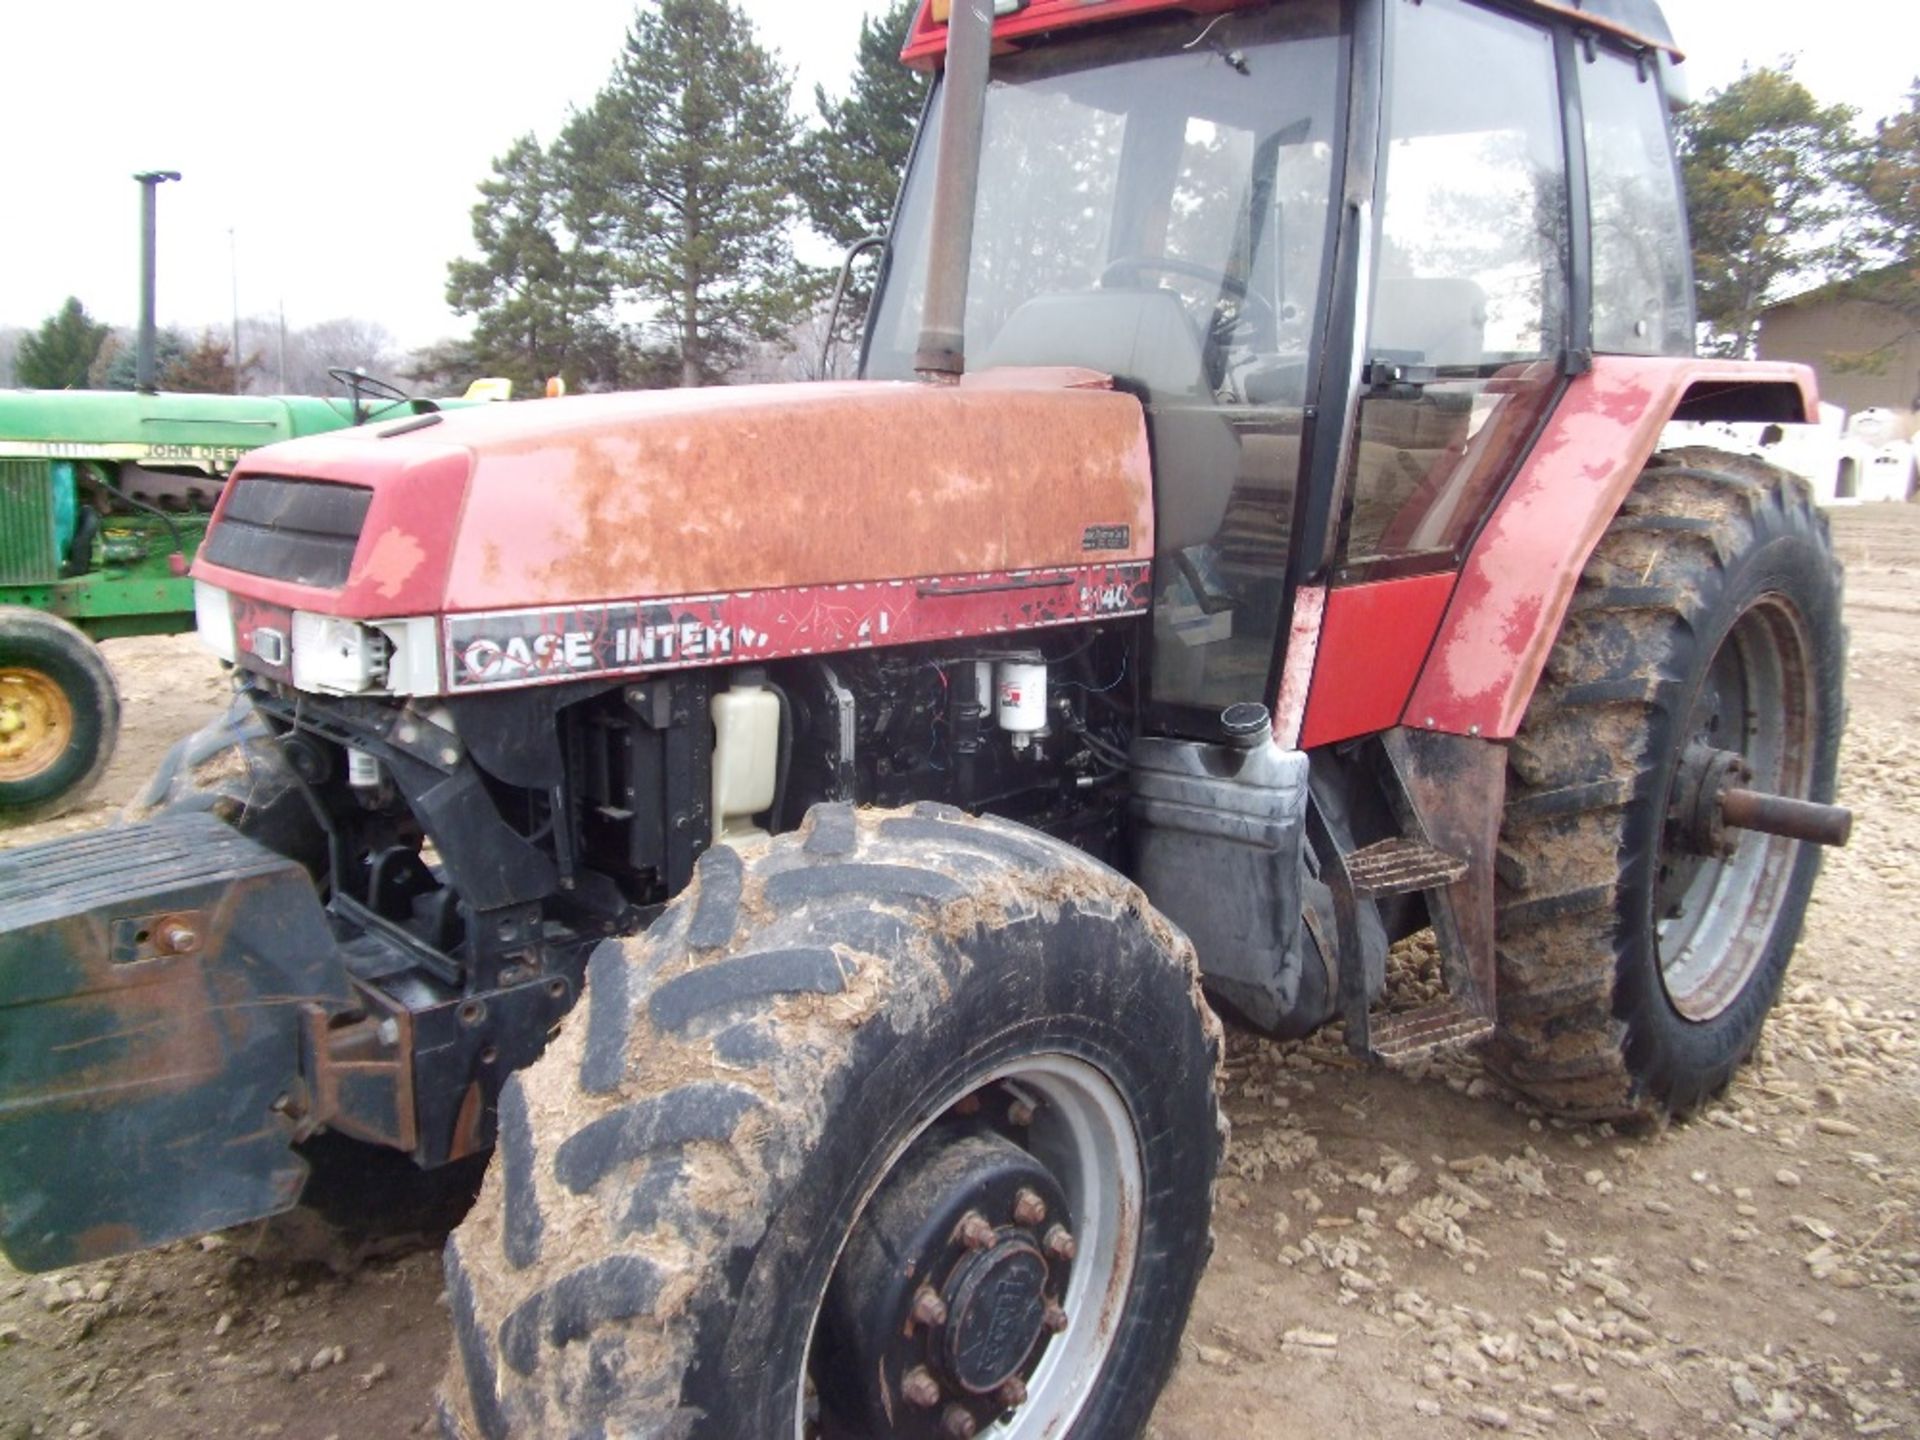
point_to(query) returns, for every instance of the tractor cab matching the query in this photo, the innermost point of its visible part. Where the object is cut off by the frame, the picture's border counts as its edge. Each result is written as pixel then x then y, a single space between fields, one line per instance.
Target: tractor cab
pixel 1346 287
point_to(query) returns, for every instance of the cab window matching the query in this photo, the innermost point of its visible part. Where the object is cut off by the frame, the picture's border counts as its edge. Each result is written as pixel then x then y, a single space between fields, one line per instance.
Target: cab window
pixel 1469 290
pixel 1642 273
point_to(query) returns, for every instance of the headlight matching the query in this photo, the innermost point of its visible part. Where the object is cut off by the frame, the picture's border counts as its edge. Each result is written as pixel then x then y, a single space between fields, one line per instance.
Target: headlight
pixel 335 656
pixel 213 619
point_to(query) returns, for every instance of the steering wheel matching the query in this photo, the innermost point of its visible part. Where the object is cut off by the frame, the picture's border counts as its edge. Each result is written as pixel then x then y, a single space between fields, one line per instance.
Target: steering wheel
pixel 1238 308
pixel 359 382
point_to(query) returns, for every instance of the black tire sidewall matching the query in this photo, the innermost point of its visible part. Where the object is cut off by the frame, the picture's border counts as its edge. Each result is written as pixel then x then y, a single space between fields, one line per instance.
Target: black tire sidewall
pixel 1677 1058
pixel 32 641
pixel 1125 1009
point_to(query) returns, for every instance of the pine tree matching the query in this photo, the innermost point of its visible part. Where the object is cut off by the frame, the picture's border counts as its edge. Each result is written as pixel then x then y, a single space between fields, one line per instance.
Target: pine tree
pixel 688 156
pixel 855 159
pixel 206 368
pixel 542 289
pixel 1764 164
pixel 118 361
pixel 58 355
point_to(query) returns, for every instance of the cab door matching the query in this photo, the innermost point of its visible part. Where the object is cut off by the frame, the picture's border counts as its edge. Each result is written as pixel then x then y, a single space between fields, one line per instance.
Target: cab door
pixel 1464 303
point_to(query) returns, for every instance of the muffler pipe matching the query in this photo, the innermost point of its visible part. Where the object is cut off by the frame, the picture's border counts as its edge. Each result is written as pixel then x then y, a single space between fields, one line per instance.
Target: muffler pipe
pixel 941 358
pixel 1779 815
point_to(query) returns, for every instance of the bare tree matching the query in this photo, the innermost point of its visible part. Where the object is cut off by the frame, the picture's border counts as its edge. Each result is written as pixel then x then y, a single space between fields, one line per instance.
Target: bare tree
pixel 344 343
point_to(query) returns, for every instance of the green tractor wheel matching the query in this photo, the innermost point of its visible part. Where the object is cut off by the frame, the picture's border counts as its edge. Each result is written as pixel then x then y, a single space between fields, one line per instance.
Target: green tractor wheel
pixel 59 715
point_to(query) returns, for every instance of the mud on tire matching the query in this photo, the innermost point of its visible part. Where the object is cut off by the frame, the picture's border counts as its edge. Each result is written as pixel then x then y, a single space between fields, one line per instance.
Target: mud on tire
pixel 676 1177
pixel 1710 551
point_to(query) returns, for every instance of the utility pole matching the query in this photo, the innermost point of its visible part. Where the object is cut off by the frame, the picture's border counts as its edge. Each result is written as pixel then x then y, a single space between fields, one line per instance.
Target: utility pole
pixel 150 182
pixel 233 270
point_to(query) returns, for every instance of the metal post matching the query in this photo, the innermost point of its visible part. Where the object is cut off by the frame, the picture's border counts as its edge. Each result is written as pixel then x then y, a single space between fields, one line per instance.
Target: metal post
pixel 941 357
pixel 143 369
pixel 233 271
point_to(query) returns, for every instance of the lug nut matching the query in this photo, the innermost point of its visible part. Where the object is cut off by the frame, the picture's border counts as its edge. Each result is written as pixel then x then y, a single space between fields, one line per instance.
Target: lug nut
pixel 957 1424
pixel 920 1388
pixel 929 1309
pixel 1012 1395
pixel 1028 1208
pixel 1061 1244
pixel 975 1232
pixel 1020 1113
pixel 1054 1318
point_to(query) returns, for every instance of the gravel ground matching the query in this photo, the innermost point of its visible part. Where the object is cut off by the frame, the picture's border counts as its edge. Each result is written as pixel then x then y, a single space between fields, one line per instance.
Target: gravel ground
pixel 1405 1256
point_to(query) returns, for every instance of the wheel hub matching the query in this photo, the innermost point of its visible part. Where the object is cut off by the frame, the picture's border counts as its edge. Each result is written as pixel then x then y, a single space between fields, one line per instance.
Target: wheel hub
pixel 1697 823
pixel 996 1309
pixel 36 723
pixel 1718 885
pixel 949 1291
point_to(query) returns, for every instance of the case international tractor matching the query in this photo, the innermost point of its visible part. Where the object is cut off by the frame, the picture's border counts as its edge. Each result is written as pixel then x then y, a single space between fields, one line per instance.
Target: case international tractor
pixel 1247 546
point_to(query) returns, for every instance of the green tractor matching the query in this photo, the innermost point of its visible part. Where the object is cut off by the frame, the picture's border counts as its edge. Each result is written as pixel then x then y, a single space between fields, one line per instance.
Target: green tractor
pixel 104 498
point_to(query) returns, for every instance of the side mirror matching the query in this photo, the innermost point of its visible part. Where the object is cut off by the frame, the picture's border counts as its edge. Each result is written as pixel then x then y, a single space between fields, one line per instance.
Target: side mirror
pixel 854 252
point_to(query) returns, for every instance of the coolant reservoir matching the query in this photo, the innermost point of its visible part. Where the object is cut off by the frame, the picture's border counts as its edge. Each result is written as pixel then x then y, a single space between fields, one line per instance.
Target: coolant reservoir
pixel 746 758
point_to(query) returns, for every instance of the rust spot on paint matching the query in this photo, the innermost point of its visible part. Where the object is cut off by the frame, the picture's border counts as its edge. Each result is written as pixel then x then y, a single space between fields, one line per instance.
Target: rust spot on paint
pixel 389 562
pixel 703 492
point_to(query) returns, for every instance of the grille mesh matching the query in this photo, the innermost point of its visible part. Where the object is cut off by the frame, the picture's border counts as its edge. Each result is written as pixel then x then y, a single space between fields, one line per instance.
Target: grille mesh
pixel 27 555
pixel 303 531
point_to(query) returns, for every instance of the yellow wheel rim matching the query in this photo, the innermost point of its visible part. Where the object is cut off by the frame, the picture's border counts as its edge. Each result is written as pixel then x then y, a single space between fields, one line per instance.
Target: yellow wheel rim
pixel 36 723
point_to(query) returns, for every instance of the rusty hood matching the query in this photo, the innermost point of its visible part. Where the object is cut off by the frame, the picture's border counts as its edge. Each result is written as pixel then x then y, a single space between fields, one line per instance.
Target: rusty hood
pixel 754 488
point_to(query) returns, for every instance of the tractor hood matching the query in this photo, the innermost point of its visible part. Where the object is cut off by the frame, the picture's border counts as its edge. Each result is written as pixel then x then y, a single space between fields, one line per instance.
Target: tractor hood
pixel 539 517
pixel 167 429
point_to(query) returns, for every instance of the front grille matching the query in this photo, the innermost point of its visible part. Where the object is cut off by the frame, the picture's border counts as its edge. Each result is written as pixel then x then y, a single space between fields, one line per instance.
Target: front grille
pixel 303 531
pixel 27 551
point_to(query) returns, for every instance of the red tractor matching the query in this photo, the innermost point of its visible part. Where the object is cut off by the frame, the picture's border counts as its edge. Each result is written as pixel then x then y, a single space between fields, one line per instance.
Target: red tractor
pixel 1247 548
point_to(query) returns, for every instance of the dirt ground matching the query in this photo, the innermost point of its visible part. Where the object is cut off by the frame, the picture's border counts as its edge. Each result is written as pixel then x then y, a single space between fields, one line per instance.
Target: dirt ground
pixel 1400 1256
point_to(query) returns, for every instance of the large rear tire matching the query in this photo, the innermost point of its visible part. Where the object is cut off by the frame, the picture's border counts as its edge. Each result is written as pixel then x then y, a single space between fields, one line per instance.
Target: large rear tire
pixel 904 1125
pixel 59 715
pixel 1637 962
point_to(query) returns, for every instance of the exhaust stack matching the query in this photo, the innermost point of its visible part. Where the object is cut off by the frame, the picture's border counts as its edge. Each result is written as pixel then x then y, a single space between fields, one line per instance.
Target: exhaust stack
pixel 941 358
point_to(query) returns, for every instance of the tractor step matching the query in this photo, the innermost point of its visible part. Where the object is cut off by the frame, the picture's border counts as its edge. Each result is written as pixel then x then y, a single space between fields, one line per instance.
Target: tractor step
pixel 1397 1039
pixel 1399 866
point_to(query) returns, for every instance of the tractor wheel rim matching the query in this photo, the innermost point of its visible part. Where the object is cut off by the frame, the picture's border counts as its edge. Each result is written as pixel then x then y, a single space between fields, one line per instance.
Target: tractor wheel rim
pixel 1082 1130
pixel 1715 915
pixel 36 723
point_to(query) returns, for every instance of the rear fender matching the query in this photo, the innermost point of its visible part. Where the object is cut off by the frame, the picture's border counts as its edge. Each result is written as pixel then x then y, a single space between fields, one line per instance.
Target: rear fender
pixel 1519 576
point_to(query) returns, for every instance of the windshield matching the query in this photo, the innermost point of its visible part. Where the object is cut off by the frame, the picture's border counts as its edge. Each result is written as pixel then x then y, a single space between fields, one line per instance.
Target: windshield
pixel 1187 156
pixel 1155 204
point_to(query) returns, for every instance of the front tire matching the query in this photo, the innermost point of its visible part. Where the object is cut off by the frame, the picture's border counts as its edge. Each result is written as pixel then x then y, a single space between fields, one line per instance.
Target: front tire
pixel 59 715
pixel 1637 962
pixel 903 1125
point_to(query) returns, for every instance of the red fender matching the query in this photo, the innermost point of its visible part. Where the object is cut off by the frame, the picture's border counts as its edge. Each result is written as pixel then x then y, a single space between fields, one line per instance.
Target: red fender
pixel 1460 652
pixel 1519 577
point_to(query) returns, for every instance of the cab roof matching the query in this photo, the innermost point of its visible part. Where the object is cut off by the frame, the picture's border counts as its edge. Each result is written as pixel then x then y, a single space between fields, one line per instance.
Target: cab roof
pixel 1638 22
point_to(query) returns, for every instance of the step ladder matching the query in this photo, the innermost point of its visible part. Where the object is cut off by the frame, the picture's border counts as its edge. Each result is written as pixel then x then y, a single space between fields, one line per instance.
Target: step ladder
pixel 1450 793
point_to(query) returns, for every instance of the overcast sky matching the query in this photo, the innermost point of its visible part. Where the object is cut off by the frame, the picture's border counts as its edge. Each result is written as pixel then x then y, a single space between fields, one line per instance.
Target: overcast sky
pixel 341 143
